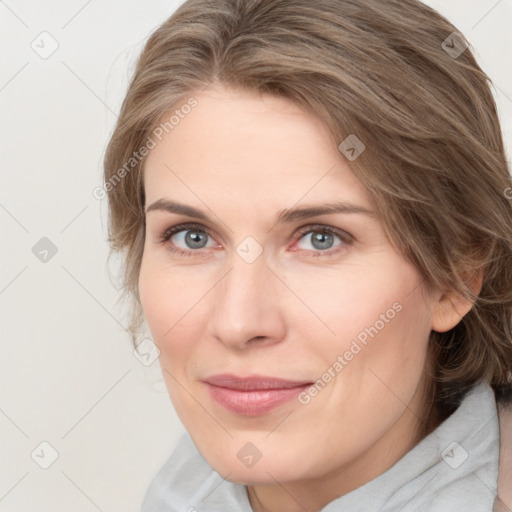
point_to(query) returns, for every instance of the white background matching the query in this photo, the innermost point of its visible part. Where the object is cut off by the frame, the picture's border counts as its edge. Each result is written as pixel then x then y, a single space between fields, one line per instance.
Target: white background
pixel 68 375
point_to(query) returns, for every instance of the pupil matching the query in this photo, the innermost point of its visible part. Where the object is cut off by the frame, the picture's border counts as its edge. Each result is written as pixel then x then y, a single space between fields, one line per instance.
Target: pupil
pixel 322 240
pixel 193 239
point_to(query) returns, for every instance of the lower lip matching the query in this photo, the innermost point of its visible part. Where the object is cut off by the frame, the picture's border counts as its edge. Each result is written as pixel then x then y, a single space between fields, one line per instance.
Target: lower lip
pixel 253 403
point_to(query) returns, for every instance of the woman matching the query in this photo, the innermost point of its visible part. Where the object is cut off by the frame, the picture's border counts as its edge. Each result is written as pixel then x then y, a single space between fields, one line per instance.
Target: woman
pixel 312 200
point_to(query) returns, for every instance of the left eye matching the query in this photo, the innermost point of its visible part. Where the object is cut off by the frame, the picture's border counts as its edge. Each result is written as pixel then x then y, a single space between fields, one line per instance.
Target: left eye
pixel 320 240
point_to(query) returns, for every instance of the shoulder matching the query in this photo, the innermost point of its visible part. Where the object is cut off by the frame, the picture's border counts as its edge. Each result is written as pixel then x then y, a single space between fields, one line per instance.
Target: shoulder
pixel 504 500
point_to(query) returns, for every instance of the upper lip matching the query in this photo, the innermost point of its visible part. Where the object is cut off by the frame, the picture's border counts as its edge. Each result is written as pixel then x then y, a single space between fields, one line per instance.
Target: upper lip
pixel 252 382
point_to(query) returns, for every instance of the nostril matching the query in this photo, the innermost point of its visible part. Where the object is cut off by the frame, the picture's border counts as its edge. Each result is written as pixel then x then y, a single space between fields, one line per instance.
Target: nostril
pixel 257 338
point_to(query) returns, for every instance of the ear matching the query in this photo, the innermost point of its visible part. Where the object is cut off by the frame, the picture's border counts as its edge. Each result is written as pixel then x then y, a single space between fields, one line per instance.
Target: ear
pixel 451 307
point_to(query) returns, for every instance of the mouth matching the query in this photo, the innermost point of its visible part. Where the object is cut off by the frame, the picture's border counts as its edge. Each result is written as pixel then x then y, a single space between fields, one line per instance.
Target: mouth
pixel 253 395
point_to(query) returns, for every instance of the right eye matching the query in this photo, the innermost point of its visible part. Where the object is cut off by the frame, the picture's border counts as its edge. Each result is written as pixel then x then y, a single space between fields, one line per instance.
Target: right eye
pixel 191 238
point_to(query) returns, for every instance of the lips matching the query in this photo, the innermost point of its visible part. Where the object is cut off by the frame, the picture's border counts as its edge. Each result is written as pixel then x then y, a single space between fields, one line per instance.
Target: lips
pixel 254 395
pixel 253 382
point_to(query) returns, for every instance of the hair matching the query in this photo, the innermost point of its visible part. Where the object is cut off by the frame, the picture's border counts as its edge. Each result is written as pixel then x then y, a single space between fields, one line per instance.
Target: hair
pixel 434 162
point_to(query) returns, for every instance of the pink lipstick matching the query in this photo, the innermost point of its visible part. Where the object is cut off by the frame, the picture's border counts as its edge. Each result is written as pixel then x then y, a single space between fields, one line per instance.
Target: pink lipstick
pixel 253 395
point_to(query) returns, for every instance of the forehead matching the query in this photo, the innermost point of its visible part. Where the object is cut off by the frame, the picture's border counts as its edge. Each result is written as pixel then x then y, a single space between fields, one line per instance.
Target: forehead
pixel 244 144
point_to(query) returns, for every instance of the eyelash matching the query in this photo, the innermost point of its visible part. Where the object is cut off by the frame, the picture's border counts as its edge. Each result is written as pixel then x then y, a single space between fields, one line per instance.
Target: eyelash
pixel 345 237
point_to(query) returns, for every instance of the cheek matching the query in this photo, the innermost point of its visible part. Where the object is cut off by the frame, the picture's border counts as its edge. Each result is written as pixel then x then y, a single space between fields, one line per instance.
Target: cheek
pixel 165 298
pixel 359 300
pixel 156 303
pixel 388 367
pixel 380 324
pixel 376 377
pixel 170 300
pixel 177 308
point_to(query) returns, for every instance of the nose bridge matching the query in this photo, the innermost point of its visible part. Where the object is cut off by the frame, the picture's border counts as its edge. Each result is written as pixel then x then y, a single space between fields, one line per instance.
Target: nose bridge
pixel 244 290
pixel 246 303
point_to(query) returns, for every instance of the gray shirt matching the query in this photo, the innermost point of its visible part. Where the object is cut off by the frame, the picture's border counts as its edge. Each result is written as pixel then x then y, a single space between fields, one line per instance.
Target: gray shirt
pixel 455 468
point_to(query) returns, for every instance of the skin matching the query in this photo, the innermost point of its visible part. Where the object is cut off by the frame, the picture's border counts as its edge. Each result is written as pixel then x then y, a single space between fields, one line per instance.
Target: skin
pixel 242 158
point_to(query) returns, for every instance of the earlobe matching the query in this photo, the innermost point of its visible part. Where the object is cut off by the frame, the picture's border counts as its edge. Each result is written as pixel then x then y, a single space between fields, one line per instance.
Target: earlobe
pixel 451 307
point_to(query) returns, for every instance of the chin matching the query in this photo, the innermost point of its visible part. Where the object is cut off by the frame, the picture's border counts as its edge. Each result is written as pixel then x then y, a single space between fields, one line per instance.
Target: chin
pixel 266 470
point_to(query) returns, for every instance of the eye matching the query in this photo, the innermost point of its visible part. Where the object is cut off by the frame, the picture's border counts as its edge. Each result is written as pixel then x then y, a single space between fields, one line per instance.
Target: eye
pixel 185 239
pixel 321 240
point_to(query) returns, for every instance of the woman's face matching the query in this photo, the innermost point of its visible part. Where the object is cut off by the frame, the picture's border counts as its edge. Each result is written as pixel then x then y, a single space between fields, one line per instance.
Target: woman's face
pixel 256 283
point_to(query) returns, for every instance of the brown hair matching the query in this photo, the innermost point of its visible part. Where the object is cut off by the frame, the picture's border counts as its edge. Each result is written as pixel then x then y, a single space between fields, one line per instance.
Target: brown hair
pixel 381 70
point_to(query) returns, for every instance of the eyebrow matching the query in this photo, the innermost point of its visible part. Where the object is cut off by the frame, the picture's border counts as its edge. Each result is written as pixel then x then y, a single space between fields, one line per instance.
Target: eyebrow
pixel 285 216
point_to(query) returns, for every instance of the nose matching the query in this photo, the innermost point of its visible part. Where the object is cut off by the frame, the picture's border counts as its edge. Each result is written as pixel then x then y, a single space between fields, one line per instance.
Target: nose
pixel 247 308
